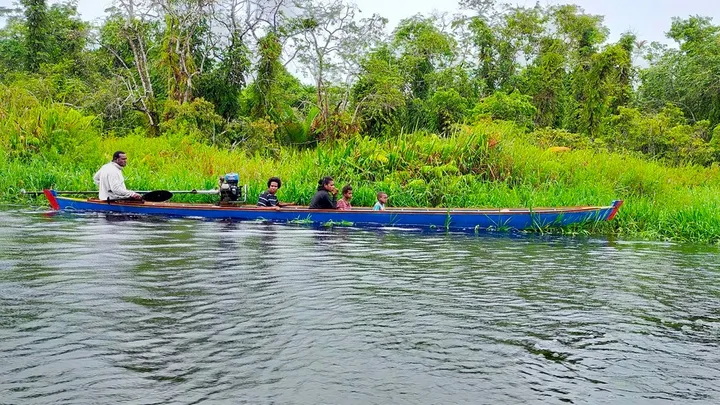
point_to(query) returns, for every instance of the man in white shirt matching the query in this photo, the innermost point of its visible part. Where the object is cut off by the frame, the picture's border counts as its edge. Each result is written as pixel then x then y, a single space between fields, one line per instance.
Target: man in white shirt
pixel 111 182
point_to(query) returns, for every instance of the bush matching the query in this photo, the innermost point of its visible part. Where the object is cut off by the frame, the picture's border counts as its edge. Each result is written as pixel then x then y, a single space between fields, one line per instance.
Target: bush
pixel 296 129
pixel 196 118
pixel 665 135
pixel 338 125
pixel 715 143
pixel 256 136
pixel 449 108
pixel 29 127
pixel 551 137
pixel 514 107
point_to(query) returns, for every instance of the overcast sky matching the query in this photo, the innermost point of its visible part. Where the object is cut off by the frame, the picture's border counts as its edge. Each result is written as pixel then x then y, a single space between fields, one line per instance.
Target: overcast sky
pixel 648 19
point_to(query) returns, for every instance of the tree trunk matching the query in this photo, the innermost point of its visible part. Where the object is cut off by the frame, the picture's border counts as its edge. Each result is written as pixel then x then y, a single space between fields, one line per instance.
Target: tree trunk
pixel 146 101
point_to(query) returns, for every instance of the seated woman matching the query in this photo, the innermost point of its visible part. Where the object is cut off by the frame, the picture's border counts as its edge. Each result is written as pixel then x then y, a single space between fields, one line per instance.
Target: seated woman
pixel 344 202
pixel 268 197
pixel 326 196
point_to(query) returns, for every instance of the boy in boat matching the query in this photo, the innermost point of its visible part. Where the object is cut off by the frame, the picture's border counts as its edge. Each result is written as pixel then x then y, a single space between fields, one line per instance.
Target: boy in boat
pixel 344 202
pixel 381 201
pixel 268 198
pixel 326 196
pixel 111 182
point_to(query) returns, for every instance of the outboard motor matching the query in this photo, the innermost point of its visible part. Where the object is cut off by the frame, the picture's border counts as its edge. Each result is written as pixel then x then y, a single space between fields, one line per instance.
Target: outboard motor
pixel 229 189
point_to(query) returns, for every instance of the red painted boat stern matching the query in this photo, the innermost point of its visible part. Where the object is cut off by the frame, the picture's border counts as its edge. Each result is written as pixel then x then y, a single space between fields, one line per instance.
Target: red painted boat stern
pixel 50 195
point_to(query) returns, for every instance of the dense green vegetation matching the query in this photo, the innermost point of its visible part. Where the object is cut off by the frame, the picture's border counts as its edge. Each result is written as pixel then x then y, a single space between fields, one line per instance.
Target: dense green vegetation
pixel 500 107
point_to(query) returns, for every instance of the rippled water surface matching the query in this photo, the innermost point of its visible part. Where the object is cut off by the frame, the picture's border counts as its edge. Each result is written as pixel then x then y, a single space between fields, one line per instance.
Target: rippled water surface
pixel 150 311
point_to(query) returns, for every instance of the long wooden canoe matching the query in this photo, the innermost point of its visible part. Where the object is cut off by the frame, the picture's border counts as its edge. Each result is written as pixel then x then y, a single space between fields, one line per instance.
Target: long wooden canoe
pixel 445 218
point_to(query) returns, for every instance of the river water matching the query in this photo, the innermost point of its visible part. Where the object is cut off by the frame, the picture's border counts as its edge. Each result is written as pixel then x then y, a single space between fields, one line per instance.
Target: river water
pixel 97 310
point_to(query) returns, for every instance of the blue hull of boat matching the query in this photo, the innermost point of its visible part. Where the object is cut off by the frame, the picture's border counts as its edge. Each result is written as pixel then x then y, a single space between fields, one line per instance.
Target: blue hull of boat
pixel 394 217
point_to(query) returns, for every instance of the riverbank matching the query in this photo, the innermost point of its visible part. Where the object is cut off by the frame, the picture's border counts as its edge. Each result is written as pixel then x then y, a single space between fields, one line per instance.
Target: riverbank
pixel 490 164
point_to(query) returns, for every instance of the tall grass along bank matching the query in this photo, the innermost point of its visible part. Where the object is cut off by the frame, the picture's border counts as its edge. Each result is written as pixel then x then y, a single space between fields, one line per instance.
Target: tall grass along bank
pixel 490 164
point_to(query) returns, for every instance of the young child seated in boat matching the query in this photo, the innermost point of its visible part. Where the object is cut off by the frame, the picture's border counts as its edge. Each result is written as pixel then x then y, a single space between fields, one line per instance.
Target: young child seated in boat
pixel 344 202
pixel 381 201
pixel 268 198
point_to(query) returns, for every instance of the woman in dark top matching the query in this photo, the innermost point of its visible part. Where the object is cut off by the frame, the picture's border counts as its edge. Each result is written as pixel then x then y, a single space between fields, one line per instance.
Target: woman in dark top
pixel 326 196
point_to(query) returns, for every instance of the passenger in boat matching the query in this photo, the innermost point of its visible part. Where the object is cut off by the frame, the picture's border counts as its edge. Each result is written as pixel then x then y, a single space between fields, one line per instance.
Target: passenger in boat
pixel 111 182
pixel 344 202
pixel 326 196
pixel 381 201
pixel 268 198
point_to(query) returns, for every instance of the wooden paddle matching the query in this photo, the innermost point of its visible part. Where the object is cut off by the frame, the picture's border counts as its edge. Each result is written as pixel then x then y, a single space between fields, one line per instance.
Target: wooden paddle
pixel 157 196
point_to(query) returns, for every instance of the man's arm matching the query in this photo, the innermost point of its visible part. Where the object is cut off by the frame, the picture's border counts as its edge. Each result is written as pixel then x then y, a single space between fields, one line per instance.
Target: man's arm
pixel 117 186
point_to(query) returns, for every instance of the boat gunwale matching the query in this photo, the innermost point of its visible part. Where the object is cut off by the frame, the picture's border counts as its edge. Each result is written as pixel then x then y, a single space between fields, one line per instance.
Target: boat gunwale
pixel 364 210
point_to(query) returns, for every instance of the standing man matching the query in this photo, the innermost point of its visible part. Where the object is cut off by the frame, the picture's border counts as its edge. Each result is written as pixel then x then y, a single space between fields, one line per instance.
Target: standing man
pixel 111 182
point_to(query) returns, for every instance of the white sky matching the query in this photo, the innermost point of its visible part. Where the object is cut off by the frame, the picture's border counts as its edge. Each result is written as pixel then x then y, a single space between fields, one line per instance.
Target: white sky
pixel 648 19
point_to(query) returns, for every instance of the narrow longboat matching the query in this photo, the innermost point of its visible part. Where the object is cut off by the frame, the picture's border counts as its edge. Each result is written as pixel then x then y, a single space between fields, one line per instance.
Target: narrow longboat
pixel 443 218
